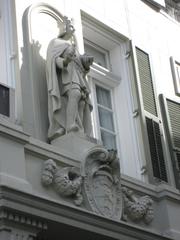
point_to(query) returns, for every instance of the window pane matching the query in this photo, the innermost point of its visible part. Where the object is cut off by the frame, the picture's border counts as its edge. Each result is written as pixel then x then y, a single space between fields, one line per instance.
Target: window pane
pixel 106 119
pixel 4 103
pixel 108 140
pixel 103 97
pixel 99 57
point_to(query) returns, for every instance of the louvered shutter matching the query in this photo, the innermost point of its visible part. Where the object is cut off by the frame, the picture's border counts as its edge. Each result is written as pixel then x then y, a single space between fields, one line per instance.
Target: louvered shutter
pixel 151 116
pixel 171 119
pixel 156 150
pixel 146 82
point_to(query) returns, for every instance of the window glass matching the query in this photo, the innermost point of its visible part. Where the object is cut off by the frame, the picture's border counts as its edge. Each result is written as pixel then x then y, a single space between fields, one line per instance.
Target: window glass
pixel 108 140
pixel 106 118
pixel 103 97
pixel 99 56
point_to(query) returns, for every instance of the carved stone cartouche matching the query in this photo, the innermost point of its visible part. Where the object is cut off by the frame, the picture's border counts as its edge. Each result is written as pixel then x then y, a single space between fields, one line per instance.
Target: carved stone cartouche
pixel 102 183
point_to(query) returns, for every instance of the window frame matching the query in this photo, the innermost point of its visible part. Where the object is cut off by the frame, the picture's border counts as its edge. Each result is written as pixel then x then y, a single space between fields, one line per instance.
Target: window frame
pixel 95 115
pixel 176 81
pixel 105 52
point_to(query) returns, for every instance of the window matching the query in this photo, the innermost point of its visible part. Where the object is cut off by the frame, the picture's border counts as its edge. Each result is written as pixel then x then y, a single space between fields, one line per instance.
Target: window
pixel 175 68
pixel 171 119
pixel 151 127
pixel 100 55
pixel 156 3
pixel 103 79
pixel 173 8
pixel 7 101
pixel 105 117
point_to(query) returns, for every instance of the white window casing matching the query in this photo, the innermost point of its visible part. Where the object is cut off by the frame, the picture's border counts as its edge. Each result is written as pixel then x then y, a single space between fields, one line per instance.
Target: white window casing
pixel 115 78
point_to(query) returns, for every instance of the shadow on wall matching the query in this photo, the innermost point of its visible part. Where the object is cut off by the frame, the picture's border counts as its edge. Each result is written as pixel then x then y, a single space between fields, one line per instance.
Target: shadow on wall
pixel 34 91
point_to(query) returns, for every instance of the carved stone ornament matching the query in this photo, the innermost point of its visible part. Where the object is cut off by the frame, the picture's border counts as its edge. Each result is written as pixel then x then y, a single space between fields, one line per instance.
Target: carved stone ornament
pixel 102 187
pixel 137 209
pixel 66 181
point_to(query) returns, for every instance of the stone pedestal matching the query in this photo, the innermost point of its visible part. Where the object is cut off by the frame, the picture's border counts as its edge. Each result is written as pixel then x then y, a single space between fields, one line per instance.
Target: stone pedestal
pixel 75 143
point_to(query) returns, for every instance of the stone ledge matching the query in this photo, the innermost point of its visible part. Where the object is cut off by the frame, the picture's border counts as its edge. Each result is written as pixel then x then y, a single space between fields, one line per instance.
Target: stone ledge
pixel 46 151
pixel 156 191
pixel 13 131
pixel 73 216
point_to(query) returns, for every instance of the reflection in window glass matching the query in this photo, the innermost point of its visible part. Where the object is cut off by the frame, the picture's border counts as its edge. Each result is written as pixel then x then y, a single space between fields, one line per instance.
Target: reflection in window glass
pixel 103 97
pixel 105 114
pixel 108 140
pixel 99 56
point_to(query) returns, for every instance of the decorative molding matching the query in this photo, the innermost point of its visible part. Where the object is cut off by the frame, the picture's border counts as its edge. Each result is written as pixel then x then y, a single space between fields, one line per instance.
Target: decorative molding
pixel 137 208
pixel 173 9
pixel 67 181
pixel 22 219
pixel 175 68
pixel 101 184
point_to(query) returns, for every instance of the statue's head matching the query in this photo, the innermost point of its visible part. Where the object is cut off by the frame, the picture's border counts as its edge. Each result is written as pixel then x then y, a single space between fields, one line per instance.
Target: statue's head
pixel 68 29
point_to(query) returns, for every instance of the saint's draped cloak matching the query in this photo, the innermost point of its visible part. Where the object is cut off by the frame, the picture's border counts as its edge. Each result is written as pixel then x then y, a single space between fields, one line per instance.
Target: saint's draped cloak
pixel 56 111
pixel 57 103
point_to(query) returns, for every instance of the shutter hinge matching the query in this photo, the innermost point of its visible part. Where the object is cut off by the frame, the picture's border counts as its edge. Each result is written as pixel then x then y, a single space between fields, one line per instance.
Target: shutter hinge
pixel 128 54
pixel 135 113
pixel 12 56
pixel 143 170
pixel 176 150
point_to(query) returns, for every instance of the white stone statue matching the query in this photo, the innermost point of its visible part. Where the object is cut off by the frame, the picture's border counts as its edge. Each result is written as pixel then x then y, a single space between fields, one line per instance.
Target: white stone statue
pixel 69 105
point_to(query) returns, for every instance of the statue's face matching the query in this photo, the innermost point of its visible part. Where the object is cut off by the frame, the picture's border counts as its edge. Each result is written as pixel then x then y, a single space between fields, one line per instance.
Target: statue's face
pixel 69 31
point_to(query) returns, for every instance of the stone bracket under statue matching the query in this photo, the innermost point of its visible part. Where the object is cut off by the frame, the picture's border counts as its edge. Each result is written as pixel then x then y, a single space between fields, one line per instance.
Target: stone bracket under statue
pixel 75 144
pixel 96 186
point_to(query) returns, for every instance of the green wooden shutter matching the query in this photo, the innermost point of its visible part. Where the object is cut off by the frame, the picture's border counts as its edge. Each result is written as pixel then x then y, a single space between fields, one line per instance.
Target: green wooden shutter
pixel 146 82
pixel 171 118
pixel 156 150
pixel 152 123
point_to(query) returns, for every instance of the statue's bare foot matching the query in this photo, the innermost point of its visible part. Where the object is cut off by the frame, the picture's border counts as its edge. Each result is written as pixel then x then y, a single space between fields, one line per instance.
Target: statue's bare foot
pixel 58 133
pixel 73 128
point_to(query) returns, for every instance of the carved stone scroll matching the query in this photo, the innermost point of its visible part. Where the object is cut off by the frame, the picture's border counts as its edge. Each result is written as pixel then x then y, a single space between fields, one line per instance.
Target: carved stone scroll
pixel 102 183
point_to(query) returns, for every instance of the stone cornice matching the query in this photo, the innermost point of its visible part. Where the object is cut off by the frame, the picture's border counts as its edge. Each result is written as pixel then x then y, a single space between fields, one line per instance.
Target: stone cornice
pixel 13 131
pixel 157 192
pixel 10 216
pixel 43 209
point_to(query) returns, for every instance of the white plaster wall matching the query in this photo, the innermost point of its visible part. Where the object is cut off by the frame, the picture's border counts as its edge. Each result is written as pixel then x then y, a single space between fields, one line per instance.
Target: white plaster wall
pixel 159 35
pixel 150 30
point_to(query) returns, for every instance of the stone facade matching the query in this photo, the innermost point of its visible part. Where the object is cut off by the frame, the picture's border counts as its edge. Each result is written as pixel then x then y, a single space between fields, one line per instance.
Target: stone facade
pixel 62 183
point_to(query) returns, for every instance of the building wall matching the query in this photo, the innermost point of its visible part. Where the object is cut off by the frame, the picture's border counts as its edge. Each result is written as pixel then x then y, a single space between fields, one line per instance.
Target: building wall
pixel 115 25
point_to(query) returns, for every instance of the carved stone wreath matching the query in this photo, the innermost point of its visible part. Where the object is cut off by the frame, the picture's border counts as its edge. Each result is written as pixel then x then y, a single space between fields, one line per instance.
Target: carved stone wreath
pixel 137 209
pixel 66 181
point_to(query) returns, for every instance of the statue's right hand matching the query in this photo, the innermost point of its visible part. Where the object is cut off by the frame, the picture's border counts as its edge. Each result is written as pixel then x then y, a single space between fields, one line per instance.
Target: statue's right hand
pixel 66 61
pixel 69 55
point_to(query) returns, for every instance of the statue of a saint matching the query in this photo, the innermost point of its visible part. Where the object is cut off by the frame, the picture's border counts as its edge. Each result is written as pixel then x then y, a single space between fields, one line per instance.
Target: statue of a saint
pixel 69 105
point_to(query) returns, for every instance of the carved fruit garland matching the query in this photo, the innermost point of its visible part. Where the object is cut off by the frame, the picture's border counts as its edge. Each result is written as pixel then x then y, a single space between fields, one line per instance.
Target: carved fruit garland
pixel 67 181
